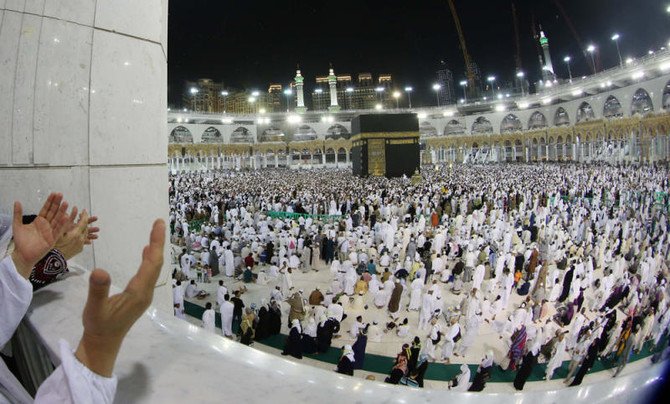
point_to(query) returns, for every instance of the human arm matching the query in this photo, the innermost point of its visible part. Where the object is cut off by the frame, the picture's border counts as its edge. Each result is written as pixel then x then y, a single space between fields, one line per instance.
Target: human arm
pixel 86 374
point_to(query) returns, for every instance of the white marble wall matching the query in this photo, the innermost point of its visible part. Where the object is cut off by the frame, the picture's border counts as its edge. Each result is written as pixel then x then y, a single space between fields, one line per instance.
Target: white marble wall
pixel 83 106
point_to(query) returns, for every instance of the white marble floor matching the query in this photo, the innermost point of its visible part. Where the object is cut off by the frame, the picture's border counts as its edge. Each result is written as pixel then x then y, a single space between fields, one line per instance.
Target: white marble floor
pixel 391 343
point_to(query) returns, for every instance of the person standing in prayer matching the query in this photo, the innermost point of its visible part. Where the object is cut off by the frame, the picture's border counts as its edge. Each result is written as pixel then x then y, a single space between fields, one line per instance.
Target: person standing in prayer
pixel 347 362
pixel 247 327
pixel 518 342
pixel 529 362
pixel 587 363
pixel 208 317
pixel 221 291
pixel 227 310
pixel 229 260
pixel 237 312
pixel 483 373
pixel 556 359
pixel 359 347
pixel 415 295
pixel 394 302
pixel 293 344
pixel 178 299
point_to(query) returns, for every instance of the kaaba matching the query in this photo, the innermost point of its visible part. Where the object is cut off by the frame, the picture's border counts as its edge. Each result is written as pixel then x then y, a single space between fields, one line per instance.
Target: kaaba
pixel 385 145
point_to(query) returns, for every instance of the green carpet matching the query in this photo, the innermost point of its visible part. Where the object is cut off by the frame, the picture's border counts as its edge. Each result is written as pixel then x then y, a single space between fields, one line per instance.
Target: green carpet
pixel 436 371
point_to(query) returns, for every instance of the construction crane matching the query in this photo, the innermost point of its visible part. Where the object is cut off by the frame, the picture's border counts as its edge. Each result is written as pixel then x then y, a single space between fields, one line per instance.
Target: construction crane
pixel 517 57
pixel 469 68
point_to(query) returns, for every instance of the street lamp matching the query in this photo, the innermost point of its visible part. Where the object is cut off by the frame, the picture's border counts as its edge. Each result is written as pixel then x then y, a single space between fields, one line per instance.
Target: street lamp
pixel 396 95
pixel 288 93
pixel 409 90
pixel 437 88
pixel 520 76
pixel 615 38
pixel 591 49
pixel 224 94
pixel 464 84
pixel 194 92
pixel 567 62
pixel 491 79
pixel 349 90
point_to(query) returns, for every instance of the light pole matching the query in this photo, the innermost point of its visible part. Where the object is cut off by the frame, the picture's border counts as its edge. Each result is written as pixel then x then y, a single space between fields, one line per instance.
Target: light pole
pixel 464 84
pixel 396 95
pixel 349 90
pixel 288 93
pixel 437 88
pixel 194 92
pixel 409 90
pixel 224 94
pixel 379 91
pixel 591 49
pixel 520 76
pixel 615 38
pixel 567 62
pixel 491 79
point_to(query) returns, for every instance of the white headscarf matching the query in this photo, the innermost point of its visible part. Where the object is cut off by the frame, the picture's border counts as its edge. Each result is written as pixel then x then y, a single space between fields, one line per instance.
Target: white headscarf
pixel 349 352
pixel 296 324
pixel 463 379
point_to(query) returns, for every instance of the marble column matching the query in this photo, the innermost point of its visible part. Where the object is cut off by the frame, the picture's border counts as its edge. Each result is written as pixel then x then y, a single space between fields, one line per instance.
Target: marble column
pixel 83 101
pixel 276 161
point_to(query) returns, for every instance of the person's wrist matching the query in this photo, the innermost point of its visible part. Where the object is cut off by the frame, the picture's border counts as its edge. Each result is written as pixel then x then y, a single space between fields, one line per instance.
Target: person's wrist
pixel 22 267
pixel 98 353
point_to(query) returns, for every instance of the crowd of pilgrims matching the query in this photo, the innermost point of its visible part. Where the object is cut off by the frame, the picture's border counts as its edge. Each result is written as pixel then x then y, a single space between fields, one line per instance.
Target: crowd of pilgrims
pixel 561 261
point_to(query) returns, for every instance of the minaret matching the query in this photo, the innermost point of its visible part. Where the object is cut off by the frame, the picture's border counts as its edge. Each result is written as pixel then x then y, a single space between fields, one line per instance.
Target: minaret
pixel 332 83
pixel 548 68
pixel 299 88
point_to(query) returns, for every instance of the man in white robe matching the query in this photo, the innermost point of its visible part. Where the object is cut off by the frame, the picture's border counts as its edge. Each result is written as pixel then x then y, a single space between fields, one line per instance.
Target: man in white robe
pixel 226 310
pixel 229 260
pixel 208 317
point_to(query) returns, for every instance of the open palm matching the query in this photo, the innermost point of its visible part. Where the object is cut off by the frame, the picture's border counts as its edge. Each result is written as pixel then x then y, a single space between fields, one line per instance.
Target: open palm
pixel 107 319
pixel 33 241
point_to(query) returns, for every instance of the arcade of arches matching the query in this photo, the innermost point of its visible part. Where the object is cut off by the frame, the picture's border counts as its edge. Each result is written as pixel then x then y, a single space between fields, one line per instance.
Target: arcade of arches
pixel 644 139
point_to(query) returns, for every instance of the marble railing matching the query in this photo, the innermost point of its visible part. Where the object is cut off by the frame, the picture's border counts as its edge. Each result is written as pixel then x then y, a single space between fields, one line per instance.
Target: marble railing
pixel 166 360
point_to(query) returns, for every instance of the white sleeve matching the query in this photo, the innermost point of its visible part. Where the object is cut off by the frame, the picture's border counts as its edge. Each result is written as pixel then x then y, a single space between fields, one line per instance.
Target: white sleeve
pixel 72 382
pixel 15 296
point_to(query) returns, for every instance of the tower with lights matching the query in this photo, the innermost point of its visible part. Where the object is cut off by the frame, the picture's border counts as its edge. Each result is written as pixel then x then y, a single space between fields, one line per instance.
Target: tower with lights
pixel 300 97
pixel 548 67
pixel 332 83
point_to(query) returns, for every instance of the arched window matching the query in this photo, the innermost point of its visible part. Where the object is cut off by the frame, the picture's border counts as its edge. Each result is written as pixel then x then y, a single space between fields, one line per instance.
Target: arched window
pixel 211 135
pixel 241 135
pixel 482 125
pixel 272 134
pixel 561 117
pixel 426 129
pixel 642 103
pixel 612 108
pixel 666 96
pixel 337 131
pixel 585 112
pixel 305 132
pixel 511 123
pixel 454 128
pixel 180 135
pixel 537 121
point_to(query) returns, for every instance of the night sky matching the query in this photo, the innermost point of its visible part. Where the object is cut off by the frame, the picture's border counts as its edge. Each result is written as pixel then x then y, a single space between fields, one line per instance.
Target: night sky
pixel 248 44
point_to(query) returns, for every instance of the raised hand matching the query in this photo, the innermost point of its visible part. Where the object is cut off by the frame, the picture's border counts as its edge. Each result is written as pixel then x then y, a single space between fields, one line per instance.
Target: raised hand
pixel 80 234
pixel 32 241
pixel 107 319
